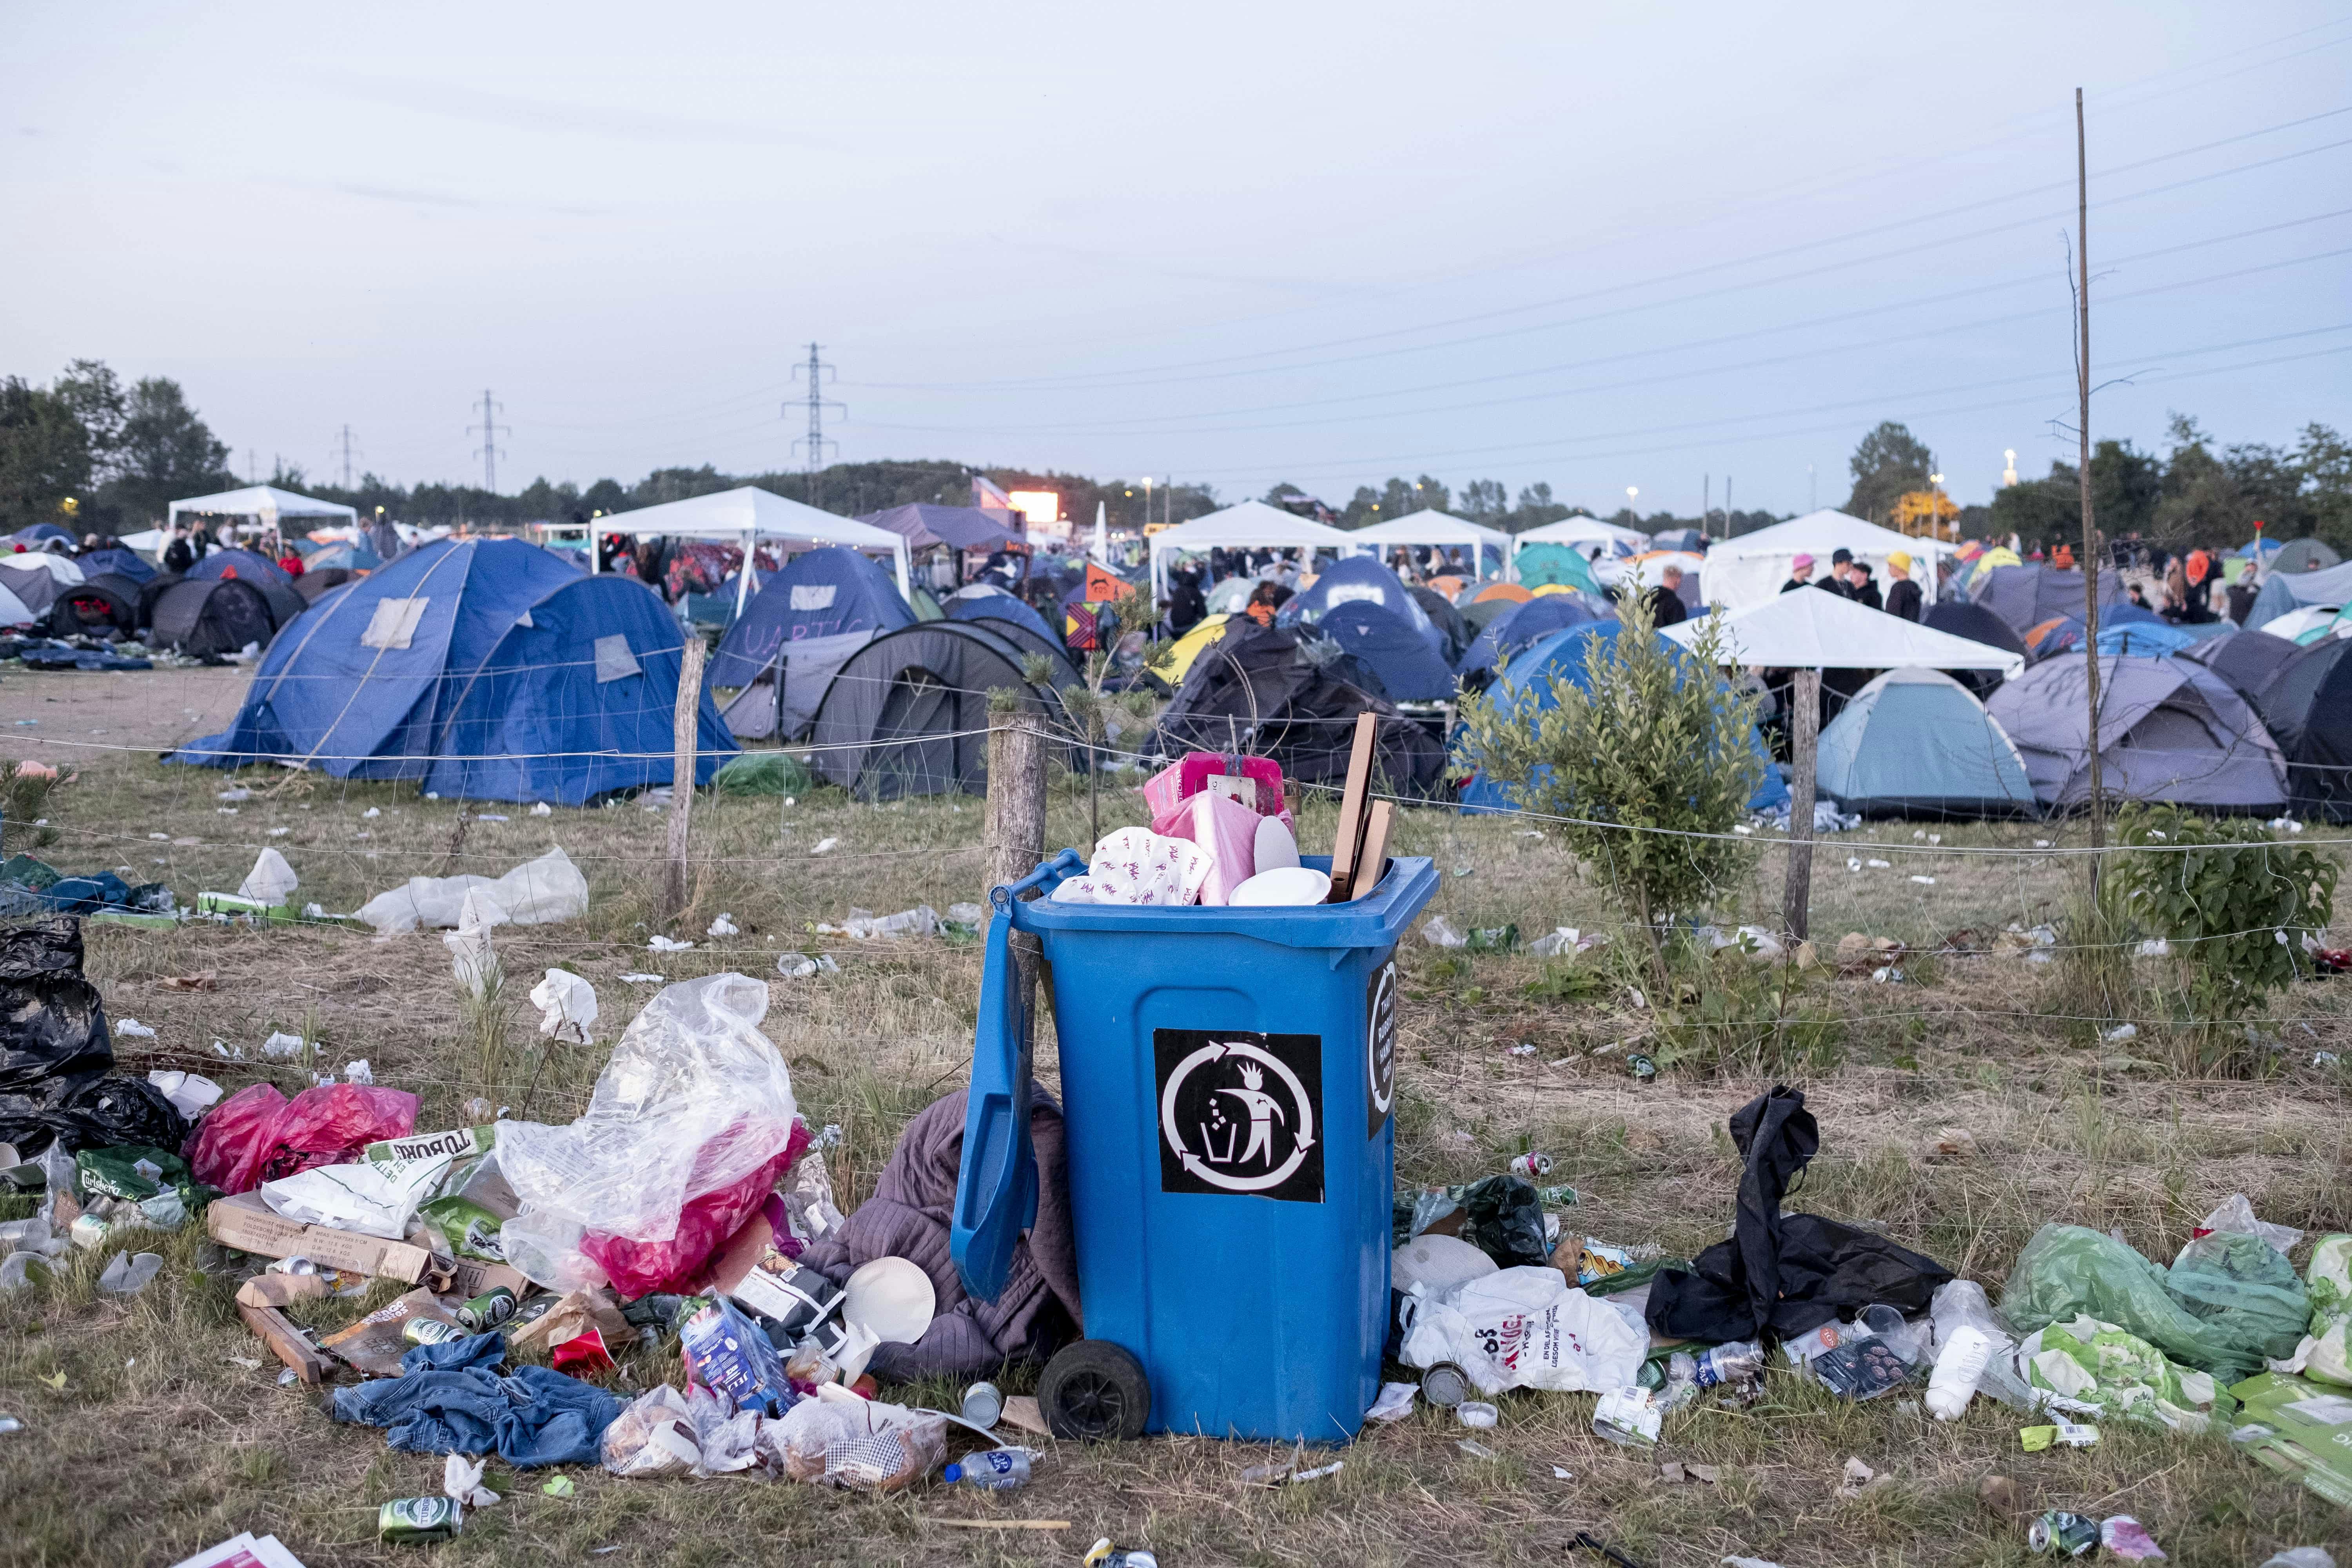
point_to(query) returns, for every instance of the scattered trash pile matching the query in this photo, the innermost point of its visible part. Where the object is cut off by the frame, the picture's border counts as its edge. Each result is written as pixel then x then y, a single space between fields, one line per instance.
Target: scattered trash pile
pixel 1491 1297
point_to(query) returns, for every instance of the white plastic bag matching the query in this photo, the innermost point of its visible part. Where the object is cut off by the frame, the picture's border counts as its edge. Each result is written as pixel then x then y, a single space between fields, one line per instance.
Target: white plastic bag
pixel 534 893
pixel 271 880
pixel 567 1006
pixel 1527 1328
pixel 2235 1215
pixel 370 1196
pixel 694 1098
pixel 472 959
pixel 844 1441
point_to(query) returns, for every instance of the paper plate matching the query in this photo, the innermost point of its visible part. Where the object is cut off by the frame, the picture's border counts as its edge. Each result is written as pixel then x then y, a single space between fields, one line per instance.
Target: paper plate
pixel 1288 885
pixel 1276 847
pixel 891 1296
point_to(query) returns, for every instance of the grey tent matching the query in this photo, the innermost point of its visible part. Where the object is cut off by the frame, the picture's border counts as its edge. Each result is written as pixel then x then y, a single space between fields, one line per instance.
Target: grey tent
pixel 765 709
pixel 2304 555
pixel 35 585
pixel 2246 660
pixel 2285 591
pixel 2025 597
pixel 1915 743
pixel 205 617
pixel 2169 730
pixel 908 713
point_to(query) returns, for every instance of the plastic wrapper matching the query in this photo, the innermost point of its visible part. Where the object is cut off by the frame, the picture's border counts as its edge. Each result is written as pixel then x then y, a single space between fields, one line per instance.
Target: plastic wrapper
pixel 1525 1327
pixel 2067 1271
pixel 361 1195
pixel 2104 1366
pixel 567 1006
pixel 694 1100
pixel 2238 1276
pixel 727 1352
pixel 259 1135
pixel 653 1437
pixel 2236 1213
pixel 865 1444
pixel 473 960
pixel 2322 1353
pixel 271 880
pixel 534 893
pixel 545 1248
pixel 640 1267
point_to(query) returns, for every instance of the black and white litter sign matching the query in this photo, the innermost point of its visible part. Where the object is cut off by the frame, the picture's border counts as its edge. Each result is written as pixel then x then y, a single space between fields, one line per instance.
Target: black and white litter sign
pixel 1241 1112
pixel 1379 1047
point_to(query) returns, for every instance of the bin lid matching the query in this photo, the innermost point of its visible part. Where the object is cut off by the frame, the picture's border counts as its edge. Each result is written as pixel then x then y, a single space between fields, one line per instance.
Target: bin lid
pixel 1376 920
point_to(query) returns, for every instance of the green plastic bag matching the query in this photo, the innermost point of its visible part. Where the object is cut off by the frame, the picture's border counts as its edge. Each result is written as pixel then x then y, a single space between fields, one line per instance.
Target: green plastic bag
pixel 764 773
pixel 471 1230
pixel 2066 1272
pixel 115 1173
pixel 2244 1280
pixel 2122 1373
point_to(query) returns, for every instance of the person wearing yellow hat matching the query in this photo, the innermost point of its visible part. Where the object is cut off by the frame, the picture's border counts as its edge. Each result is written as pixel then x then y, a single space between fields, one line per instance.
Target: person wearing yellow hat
pixel 1902 595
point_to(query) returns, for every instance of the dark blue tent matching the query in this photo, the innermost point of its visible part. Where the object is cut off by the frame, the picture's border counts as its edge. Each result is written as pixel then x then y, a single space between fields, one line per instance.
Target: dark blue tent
pixel 1562 655
pixel 245 565
pixel 1523 626
pixel 1362 580
pixel 1407 667
pixel 488 668
pixel 32 536
pixel 122 562
pixel 971 606
pixel 823 593
pixel 2151 637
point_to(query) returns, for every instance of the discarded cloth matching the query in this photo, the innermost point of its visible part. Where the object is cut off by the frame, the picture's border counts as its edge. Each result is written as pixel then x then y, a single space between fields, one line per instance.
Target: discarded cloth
pixel 534 893
pixel 448 1400
pixel 56 1056
pixel 1787 1273
pixel 908 1218
pixel 1137 865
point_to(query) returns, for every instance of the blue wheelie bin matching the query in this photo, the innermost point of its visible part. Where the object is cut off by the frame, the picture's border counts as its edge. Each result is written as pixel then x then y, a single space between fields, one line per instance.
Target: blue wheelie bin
pixel 1227 1079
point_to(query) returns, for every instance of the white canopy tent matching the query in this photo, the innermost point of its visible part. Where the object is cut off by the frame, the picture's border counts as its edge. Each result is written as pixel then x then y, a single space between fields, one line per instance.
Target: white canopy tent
pixel 1814 629
pixel 1581 531
pixel 1251 525
pixel 266 503
pixel 1430 526
pixel 748 514
pixel 1750 569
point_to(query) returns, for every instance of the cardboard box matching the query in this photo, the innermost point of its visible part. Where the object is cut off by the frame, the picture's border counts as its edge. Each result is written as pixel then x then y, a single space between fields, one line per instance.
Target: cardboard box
pixel 246 1223
pixel 2300 1429
pixel 374 1344
pixel 469 1277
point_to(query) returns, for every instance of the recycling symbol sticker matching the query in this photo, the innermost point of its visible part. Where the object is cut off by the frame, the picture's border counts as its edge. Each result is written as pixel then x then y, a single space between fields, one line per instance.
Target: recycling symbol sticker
pixel 1241 1112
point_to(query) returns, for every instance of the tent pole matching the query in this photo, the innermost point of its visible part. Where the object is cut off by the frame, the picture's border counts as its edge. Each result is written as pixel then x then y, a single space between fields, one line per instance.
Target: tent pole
pixel 743 576
pixel 1796 899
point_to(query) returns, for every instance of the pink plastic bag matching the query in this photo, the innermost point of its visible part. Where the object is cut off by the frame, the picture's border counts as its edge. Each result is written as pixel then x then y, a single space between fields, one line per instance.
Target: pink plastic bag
pixel 1228 831
pixel 1179 781
pixel 704 1224
pixel 259 1135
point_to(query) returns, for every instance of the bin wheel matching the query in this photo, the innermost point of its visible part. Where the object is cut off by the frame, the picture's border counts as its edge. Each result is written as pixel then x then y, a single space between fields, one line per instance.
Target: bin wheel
pixel 1094 1389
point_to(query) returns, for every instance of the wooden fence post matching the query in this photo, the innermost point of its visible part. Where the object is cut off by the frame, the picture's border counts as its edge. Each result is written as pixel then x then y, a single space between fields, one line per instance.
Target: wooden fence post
pixel 685 740
pixel 1016 844
pixel 1796 899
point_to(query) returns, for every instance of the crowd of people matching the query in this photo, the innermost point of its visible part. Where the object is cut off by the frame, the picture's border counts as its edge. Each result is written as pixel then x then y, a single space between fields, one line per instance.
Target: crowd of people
pixel 1852 579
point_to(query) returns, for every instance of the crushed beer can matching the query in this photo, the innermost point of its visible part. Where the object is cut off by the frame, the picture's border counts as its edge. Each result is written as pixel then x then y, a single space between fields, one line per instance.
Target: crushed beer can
pixel 2068 1534
pixel 487 1310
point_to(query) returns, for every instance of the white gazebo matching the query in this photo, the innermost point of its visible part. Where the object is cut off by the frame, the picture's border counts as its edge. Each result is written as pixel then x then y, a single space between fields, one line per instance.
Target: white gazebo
pixel 266 504
pixel 1430 526
pixel 1576 532
pixel 747 515
pixel 1750 569
pixel 1808 630
pixel 1251 525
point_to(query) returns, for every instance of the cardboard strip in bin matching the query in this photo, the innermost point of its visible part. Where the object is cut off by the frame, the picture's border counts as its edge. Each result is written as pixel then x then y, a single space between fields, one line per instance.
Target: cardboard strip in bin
pixel 1372 859
pixel 1347 846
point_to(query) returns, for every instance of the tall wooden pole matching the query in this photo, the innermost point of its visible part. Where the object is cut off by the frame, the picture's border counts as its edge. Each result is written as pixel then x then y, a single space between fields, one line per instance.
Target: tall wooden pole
pixel 2083 475
pixel 1797 898
pixel 1016 832
pixel 685 746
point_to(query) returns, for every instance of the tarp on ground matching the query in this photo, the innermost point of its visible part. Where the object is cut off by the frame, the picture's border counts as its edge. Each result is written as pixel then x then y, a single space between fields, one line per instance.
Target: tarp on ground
pixel 2026 596
pixel 823 593
pixel 2283 590
pixel 923 525
pixel 1913 742
pixel 2169 730
pixel 486 668
pixel 1561 657
pixel 1750 568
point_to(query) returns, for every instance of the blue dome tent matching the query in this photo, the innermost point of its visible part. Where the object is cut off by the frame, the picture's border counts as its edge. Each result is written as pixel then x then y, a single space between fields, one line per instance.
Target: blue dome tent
pixel 829 592
pixel 486 668
pixel 1563 655
pixel 122 562
pixel 1408 668
pixel 1523 626
pixel 1915 743
pixel 982 604
pixel 1360 580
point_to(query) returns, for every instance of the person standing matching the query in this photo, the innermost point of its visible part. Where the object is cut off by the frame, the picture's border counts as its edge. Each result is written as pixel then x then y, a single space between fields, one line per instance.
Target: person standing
pixel 1665 600
pixel 1903 596
pixel 1860 588
pixel 1801 574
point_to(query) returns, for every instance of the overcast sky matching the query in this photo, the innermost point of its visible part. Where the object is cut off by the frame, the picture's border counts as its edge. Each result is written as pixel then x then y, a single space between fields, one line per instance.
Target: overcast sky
pixel 1604 248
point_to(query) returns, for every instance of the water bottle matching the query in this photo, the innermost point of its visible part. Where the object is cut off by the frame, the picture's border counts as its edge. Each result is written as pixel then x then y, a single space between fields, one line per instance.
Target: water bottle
pixel 1735 1363
pixel 1957 1370
pixel 997 1470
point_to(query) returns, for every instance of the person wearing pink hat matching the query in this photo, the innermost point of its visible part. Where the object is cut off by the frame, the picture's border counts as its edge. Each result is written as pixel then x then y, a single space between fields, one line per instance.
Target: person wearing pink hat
pixel 1801 572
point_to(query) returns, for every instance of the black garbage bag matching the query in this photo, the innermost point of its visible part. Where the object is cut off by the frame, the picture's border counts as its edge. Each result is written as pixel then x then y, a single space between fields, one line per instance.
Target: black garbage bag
pixel 55 1054
pixel 1785 1275
pixel 1504 1220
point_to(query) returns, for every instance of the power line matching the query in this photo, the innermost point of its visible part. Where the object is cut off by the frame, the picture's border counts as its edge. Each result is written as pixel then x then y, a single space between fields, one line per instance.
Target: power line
pixel 489 451
pixel 813 443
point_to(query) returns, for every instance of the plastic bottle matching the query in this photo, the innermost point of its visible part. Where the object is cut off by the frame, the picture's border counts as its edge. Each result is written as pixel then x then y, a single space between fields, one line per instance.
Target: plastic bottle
pixel 1735 1363
pixel 996 1469
pixel 1958 1369
pixel 1681 1382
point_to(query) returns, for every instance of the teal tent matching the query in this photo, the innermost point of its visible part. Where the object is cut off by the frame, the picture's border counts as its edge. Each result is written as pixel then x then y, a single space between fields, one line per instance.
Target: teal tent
pixel 1913 742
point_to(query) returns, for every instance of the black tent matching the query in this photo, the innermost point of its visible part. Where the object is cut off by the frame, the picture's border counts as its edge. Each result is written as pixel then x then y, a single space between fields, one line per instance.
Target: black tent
pixel 319 580
pixel 1448 619
pixel 2307 707
pixel 908 713
pixel 1268 691
pixel 205 617
pixel 1977 624
pixel 152 590
pixel 2246 660
pixel 103 604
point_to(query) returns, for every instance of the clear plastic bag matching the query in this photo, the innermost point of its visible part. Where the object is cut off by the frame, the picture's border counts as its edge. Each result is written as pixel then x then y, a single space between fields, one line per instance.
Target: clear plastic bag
pixel 534 893
pixel 2067 1271
pixel 694 1100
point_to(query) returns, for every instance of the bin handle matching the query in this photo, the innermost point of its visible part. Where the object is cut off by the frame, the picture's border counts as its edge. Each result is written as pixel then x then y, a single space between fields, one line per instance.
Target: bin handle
pixel 996 1184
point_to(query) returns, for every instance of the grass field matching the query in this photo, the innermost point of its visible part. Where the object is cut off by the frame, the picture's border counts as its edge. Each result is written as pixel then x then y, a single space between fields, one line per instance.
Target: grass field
pixel 161 1439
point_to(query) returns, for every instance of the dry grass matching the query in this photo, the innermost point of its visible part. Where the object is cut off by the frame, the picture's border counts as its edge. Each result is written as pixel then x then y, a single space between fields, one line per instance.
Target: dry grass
pixel 161 1441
